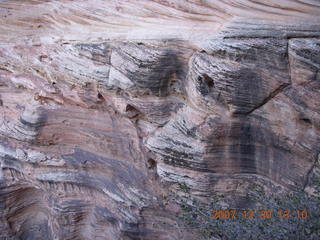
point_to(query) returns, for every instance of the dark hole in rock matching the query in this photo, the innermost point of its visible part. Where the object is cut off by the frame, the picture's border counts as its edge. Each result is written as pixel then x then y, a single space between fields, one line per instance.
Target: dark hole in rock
pixel 131 111
pixel 306 120
pixel 206 84
pixel 208 80
pixel 130 108
pixel 172 82
pixel 152 164
pixel 100 97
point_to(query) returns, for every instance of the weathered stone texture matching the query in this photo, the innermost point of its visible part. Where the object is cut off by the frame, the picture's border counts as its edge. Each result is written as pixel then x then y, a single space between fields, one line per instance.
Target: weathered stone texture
pixel 106 106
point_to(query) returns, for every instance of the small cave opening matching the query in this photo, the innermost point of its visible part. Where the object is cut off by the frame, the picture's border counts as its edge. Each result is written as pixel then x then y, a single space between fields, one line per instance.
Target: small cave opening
pixel 152 164
pixel 206 84
pixel 100 97
pixel 306 120
pixel 130 108
pixel 209 81
pixel 131 111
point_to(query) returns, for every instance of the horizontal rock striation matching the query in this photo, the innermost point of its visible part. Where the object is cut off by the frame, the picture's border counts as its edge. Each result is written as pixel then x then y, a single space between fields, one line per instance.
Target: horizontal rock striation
pixel 106 107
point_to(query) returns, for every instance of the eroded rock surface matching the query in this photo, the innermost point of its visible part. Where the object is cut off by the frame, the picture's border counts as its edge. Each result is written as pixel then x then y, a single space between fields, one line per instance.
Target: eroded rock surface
pixel 106 106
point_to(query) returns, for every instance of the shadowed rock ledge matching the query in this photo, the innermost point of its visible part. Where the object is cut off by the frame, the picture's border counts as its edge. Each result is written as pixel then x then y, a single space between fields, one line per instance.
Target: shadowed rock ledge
pixel 107 106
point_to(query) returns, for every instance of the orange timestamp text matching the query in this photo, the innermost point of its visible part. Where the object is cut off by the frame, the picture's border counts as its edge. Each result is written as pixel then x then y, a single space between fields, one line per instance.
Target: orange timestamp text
pixel 230 214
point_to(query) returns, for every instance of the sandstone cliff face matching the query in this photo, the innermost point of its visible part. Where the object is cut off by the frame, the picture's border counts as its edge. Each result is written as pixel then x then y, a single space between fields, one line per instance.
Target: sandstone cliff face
pixel 107 105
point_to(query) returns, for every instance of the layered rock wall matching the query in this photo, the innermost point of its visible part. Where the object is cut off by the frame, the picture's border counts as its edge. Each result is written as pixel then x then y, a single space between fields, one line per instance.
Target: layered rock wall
pixel 107 105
